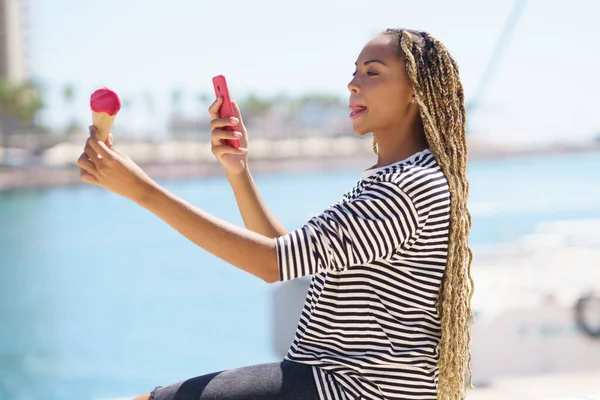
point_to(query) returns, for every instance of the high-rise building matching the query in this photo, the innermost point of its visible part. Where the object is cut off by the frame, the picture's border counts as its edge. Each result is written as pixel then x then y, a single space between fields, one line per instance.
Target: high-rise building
pixel 13 64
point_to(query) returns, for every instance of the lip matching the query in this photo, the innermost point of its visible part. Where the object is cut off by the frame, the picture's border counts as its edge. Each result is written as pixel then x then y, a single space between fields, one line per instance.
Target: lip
pixel 356 110
pixel 356 105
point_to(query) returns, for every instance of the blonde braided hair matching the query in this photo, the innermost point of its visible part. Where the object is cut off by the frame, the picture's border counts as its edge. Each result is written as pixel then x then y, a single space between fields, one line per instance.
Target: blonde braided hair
pixel 439 94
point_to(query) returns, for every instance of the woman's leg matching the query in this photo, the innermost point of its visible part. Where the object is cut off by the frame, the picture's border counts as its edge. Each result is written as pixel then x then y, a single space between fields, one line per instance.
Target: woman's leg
pixel 284 380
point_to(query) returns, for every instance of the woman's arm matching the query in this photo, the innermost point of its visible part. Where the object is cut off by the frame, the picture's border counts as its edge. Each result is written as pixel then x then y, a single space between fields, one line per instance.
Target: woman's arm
pixel 249 251
pixel 253 209
pixel 103 165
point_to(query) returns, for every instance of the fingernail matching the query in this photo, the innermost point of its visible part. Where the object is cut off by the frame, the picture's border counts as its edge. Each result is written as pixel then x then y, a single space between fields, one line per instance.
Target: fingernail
pixel 237 134
pixel 233 120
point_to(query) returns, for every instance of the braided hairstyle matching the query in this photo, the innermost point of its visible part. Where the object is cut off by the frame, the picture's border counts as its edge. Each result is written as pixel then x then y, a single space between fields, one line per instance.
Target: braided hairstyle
pixel 439 94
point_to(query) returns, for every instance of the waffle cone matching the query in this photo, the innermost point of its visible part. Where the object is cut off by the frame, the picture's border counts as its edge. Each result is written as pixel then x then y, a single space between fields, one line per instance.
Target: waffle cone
pixel 103 123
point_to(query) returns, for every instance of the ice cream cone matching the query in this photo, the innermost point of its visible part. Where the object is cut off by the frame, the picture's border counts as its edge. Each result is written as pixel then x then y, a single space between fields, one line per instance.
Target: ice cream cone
pixel 105 105
pixel 103 123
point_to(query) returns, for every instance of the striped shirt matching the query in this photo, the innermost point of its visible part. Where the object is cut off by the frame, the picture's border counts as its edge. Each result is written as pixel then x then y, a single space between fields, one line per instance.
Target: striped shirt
pixel 369 325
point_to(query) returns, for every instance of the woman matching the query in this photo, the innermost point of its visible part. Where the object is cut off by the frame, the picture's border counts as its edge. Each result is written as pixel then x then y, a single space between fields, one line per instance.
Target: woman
pixel 388 308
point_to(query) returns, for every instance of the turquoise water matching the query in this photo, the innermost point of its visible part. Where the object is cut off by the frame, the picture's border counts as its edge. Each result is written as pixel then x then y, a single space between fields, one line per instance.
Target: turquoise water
pixel 99 299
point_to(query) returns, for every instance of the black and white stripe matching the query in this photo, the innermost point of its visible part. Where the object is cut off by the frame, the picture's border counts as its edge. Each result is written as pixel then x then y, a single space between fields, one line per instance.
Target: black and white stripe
pixel 369 325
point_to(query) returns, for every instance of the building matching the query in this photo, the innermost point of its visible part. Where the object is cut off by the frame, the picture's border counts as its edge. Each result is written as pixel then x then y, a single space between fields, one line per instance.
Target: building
pixel 13 64
pixel 13 68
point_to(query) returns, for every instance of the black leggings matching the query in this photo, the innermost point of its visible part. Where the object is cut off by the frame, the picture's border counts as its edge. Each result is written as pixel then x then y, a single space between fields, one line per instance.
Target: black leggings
pixel 286 380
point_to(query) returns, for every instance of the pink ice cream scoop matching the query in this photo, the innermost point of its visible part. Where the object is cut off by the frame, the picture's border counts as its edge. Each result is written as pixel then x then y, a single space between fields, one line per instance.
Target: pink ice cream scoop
pixel 105 105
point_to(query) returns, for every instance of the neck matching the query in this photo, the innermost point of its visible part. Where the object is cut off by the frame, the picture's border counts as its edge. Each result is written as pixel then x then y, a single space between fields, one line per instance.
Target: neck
pixel 398 144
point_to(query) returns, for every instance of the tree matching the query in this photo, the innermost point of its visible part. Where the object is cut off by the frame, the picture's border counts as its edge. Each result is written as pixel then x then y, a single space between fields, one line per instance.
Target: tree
pixel 255 106
pixel 20 102
pixel 19 105
pixel 69 98
pixel 149 102
pixel 204 100
pixel 319 99
pixel 176 96
pixel 69 94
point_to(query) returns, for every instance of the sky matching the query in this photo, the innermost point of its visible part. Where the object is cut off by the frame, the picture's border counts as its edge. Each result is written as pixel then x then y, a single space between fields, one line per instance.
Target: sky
pixel 545 87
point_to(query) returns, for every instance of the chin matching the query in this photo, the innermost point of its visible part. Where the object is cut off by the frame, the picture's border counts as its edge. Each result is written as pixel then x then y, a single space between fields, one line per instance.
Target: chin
pixel 360 130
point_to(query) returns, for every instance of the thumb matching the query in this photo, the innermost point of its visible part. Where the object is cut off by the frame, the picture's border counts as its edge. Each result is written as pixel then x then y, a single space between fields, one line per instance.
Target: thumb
pixel 238 115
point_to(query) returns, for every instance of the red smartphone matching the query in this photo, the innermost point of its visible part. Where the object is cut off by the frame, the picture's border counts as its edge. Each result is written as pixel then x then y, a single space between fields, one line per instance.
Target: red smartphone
pixel 226 110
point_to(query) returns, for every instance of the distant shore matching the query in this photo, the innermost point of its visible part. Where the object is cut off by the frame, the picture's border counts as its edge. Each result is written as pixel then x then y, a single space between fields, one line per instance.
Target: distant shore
pixel 39 177
pixel 66 173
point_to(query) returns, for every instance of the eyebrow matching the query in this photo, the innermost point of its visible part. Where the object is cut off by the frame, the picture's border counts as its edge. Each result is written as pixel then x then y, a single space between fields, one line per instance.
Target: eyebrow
pixel 372 61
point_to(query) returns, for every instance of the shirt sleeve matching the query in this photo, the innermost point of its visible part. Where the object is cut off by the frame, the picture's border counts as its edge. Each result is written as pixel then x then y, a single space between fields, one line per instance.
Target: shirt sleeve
pixel 369 227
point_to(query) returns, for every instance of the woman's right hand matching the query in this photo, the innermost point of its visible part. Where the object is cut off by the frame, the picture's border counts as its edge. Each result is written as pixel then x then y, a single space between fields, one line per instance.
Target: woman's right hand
pixel 235 161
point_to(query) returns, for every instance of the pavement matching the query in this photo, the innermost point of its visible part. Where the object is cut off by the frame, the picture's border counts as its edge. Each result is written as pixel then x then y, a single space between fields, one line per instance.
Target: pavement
pixel 572 386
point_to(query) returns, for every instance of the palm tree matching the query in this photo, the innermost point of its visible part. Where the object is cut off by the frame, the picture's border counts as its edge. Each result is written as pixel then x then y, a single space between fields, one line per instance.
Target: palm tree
pixel 255 106
pixel 149 102
pixel 69 93
pixel 19 105
pixel 69 98
pixel 126 104
pixel 150 106
pixel 176 96
pixel 203 100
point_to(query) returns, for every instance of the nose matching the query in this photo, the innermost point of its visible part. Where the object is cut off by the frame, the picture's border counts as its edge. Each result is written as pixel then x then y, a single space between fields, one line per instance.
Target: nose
pixel 353 85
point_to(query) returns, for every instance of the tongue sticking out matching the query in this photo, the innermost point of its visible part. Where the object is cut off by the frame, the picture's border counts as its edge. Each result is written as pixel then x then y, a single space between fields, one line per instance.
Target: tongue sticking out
pixel 356 110
pixel 105 100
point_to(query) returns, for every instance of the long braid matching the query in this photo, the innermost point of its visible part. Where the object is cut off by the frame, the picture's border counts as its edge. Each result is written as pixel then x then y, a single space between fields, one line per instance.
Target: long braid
pixel 439 94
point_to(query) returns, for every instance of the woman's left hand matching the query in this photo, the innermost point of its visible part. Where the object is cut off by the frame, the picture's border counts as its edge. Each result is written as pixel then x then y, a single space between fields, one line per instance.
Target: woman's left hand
pixel 103 165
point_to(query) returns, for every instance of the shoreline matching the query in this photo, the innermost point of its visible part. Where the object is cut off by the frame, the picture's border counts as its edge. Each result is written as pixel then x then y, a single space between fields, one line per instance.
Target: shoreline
pixel 33 178
pixel 48 176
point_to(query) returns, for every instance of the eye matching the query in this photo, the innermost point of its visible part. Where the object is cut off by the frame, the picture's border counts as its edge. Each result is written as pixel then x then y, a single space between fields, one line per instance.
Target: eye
pixel 370 73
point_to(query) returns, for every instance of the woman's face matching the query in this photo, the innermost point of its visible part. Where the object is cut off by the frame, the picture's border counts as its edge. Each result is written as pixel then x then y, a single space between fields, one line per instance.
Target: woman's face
pixel 380 91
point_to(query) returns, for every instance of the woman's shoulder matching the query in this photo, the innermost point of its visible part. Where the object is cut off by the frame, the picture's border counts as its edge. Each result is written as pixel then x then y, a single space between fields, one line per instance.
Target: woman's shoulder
pixel 419 174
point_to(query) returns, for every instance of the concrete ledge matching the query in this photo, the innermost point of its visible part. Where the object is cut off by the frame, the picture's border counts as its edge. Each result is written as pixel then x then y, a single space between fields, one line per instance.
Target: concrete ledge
pixel 573 386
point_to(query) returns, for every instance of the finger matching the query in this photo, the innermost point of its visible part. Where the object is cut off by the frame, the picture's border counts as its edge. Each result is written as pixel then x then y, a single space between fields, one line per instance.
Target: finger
pixel 87 177
pixel 85 164
pixel 221 134
pixel 93 155
pixel 238 114
pixel 88 149
pixel 100 148
pixel 223 122
pixel 214 108
pixel 86 169
pixel 224 149
pixel 90 153
pixel 111 145
pixel 94 134
pixel 96 138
